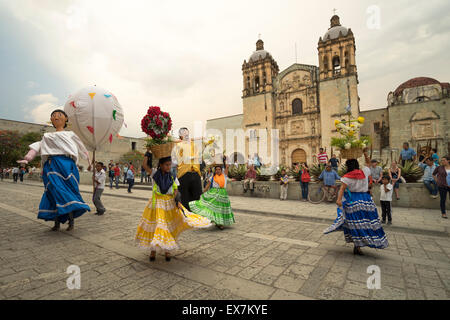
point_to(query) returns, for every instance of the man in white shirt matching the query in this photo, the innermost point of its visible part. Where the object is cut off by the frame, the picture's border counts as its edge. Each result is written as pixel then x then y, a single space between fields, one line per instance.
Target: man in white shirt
pixel 386 199
pixel 99 180
pixel 15 172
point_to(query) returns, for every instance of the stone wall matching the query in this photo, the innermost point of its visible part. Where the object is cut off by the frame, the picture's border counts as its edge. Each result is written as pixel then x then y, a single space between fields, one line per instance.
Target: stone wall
pixel 412 195
pixel 419 122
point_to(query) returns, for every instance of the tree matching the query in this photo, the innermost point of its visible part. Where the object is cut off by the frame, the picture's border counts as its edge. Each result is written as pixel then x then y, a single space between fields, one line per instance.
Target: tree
pixel 135 157
pixel 9 147
pixel 25 141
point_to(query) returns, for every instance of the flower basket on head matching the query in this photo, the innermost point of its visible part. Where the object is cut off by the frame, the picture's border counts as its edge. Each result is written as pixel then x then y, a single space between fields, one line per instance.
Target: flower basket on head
pixel 352 153
pixel 350 146
pixel 157 125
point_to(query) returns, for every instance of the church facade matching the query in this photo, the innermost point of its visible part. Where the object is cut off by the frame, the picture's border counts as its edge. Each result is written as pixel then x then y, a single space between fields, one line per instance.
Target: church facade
pixel 301 101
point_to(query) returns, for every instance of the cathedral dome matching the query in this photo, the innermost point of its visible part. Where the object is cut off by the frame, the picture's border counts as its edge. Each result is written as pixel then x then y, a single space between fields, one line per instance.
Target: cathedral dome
pixel 335 29
pixel 333 33
pixel 260 53
pixel 415 82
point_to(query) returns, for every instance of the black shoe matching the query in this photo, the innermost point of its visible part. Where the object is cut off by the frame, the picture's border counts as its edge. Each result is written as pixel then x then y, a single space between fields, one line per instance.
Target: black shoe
pixel 168 258
pixel 245 191
pixel 152 258
pixel 357 251
pixel 389 222
pixel 70 227
pixel 56 228
pixel 383 221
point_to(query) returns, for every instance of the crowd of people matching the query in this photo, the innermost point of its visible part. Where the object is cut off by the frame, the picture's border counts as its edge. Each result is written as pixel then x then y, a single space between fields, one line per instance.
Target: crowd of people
pixel 179 201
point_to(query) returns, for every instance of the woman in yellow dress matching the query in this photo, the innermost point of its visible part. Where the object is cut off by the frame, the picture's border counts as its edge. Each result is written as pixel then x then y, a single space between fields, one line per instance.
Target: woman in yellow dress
pixel 164 217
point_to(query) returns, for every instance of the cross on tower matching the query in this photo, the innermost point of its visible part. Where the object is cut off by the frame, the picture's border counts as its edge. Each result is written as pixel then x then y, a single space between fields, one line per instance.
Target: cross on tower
pixel 334 11
pixel 259 36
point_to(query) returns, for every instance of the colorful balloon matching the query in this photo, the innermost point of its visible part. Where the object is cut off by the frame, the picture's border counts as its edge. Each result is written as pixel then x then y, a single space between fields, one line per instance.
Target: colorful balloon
pixel 95 116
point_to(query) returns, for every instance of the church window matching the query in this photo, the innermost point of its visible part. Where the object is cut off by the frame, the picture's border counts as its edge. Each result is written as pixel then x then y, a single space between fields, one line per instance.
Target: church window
pixel 248 82
pixel 297 106
pixel 282 106
pixel 336 65
pixel 133 145
pixel 264 78
pixel 256 84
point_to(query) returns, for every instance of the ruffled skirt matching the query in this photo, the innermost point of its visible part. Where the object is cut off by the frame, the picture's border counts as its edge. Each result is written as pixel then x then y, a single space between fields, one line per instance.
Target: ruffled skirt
pixel 160 226
pixel 360 223
pixel 61 195
pixel 214 205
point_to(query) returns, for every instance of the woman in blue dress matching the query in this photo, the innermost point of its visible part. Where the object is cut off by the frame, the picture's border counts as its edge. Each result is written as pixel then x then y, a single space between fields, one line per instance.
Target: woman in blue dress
pixel 60 151
pixel 357 214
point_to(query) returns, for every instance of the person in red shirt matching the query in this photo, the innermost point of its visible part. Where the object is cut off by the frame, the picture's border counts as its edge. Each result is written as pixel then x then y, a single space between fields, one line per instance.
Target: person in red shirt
pixel 250 178
pixel 117 174
pixel 322 157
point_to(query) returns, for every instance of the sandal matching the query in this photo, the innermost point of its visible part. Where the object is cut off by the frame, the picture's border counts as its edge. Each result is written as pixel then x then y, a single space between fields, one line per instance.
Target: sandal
pixel 444 217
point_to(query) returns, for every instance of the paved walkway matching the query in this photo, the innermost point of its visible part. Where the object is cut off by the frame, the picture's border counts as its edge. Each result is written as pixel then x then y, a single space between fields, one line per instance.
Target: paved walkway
pixel 413 220
pixel 262 256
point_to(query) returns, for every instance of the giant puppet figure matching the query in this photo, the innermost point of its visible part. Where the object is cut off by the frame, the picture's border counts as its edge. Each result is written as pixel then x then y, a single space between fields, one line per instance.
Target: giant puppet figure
pixel 188 157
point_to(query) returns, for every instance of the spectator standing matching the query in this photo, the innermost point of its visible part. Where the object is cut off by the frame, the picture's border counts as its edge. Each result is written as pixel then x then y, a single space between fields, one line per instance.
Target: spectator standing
pixel 130 178
pixel 376 173
pixel 334 162
pixel 428 180
pixel 322 157
pixel 1 173
pixel 395 174
pixel 305 178
pixel 117 174
pixel 435 157
pixel 407 154
pixel 143 175
pixel 125 170
pixel 111 173
pixel 386 199
pixel 15 173
pixel 249 179
pixel 329 178
pixel 284 183
pixel 442 177
pixel 22 171
pixel 99 182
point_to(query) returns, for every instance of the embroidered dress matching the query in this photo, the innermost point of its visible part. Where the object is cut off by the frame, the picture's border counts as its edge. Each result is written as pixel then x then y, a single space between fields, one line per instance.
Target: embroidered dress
pixel 359 218
pixel 215 204
pixel 59 152
pixel 162 222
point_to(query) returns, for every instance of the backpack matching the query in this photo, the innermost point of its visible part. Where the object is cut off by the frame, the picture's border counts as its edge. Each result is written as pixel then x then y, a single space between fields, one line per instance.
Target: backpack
pixel 305 176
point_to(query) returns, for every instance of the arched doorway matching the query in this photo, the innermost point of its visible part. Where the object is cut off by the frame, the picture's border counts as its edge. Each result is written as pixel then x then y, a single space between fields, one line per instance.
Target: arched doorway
pixel 237 157
pixel 298 156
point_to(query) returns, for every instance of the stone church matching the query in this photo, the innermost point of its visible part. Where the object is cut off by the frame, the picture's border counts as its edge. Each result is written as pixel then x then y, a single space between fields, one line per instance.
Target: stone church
pixel 301 101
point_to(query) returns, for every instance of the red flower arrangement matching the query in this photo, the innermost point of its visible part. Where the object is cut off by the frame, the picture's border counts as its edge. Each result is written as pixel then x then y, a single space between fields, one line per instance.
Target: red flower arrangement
pixel 156 124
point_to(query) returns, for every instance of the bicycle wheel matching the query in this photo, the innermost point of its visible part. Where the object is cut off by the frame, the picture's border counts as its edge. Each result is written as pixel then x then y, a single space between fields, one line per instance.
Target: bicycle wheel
pixel 316 196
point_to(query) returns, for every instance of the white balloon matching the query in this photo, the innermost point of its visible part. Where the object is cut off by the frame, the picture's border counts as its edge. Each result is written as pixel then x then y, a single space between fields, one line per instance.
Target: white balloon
pixel 95 115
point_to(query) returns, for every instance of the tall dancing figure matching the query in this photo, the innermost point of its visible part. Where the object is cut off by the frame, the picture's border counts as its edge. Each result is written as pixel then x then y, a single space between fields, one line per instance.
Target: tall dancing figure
pixel 357 214
pixel 188 157
pixel 60 151
pixel 214 204
pixel 164 217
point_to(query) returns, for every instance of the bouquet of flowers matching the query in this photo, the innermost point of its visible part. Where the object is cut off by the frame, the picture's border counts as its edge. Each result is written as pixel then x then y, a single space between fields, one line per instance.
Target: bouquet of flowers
pixel 157 125
pixel 349 144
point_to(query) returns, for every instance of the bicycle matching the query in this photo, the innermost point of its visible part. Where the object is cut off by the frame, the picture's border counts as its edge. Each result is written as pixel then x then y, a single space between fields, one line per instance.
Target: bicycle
pixel 321 194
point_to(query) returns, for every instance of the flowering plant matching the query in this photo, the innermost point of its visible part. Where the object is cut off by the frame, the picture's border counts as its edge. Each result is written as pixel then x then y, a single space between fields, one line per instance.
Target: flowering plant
pixel 349 130
pixel 157 125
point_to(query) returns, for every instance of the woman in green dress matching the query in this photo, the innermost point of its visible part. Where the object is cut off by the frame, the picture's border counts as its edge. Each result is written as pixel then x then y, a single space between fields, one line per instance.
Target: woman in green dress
pixel 214 203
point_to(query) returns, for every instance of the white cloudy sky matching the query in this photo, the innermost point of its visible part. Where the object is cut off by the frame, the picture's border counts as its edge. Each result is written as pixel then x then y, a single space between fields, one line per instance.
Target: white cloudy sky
pixel 186 56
